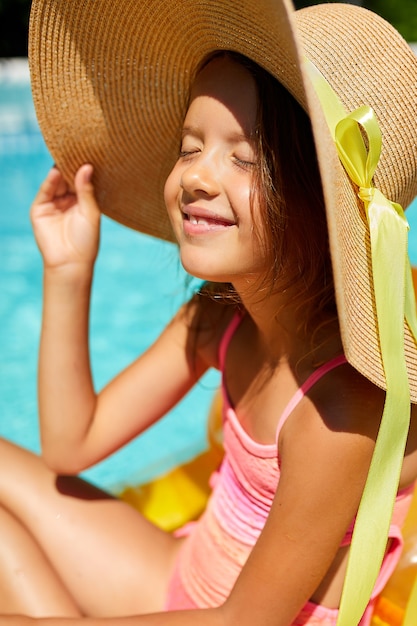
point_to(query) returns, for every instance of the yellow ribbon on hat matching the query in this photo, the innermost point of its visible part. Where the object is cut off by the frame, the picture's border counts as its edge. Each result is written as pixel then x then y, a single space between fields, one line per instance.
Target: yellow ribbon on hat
pixel 394 301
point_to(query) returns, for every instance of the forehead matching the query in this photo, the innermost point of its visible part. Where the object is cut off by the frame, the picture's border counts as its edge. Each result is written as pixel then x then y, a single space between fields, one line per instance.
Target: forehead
pixel 225 83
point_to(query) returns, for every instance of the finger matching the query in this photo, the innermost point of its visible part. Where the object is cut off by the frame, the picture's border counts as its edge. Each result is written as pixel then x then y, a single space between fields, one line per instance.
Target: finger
pixel 63 187
pixel 49 187
pixel 84 176
pixel 85 189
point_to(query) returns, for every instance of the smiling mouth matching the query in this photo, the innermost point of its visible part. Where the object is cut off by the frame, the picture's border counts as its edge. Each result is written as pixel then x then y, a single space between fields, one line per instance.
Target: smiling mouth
pixel 207 221
pixel 203 221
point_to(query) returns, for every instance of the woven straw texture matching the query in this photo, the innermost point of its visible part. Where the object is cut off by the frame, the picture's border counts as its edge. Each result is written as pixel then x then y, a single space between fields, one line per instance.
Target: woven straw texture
pixel 366 62
pixel 110 87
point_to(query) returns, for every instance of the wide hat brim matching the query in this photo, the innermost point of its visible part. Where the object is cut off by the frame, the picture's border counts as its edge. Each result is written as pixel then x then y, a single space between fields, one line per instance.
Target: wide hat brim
pixel 111 81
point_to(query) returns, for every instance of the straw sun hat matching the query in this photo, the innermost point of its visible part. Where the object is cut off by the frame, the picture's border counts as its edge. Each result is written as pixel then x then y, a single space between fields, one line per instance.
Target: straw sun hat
pixel 111 80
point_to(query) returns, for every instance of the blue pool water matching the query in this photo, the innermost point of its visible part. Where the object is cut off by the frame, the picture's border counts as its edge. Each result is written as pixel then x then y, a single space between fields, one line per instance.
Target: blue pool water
pixel 138 286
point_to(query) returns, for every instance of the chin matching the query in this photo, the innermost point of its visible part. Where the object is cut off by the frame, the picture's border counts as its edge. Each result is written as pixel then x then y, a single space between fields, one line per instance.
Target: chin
pixel 202 269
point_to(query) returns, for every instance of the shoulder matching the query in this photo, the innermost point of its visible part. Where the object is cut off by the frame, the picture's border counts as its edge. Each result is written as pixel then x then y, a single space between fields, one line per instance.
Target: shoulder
pixel 337 421
pixel 343 400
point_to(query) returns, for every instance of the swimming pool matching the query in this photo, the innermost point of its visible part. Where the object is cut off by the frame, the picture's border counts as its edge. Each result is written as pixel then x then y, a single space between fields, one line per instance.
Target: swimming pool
pixel 138 286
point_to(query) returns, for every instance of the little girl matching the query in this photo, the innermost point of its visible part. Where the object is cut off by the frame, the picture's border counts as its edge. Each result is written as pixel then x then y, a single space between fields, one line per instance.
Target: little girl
pixel 264 212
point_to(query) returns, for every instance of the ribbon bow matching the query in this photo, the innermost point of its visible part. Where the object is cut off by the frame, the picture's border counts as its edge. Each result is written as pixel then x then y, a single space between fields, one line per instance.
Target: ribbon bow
pixel 394 301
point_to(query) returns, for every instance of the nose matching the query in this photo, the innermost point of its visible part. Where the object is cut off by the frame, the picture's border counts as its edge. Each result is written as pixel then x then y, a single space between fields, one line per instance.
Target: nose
pixel 201 176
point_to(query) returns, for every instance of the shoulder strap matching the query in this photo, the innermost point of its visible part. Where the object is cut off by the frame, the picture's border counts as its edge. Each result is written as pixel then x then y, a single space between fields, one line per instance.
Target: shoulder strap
pixel 227 336
pixel 306 386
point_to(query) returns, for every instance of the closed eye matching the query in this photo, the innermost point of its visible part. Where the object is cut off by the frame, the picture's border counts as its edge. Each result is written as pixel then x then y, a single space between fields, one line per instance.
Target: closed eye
pixel 243 163
pixel 184 154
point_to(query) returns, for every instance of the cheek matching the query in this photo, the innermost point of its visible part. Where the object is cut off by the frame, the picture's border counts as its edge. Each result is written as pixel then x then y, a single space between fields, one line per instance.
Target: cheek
pixel 261 237
pixel 251 209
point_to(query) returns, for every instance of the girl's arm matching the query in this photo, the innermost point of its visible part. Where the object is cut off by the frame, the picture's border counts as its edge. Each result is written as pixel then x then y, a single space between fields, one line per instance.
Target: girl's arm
pixel 78 426
pixel 66 225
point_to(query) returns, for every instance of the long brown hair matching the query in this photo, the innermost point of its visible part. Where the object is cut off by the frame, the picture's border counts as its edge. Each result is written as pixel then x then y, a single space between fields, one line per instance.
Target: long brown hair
pixel 288 189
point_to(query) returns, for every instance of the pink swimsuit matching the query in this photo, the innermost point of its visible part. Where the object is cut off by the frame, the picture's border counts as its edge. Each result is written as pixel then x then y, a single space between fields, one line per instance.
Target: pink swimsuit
pixel 219 543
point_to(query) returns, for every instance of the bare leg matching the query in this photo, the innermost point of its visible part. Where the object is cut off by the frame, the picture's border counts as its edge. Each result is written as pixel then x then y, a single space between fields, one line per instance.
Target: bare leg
pixel 28 584
pixel 110 559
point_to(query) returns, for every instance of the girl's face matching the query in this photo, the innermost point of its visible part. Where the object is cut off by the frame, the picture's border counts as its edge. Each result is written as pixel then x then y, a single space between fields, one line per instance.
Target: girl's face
pixel 209 192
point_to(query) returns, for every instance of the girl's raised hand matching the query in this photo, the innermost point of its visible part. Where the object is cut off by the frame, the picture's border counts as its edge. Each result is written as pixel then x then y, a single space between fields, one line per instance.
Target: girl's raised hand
pixel 66 223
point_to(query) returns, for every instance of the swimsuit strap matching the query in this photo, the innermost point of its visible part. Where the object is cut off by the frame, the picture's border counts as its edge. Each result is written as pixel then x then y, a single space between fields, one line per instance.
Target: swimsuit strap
pixel 227 336
pixel 306 386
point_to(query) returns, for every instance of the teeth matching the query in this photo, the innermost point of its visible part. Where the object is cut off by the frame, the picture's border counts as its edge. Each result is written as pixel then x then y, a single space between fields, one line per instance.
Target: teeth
pixel 197 220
